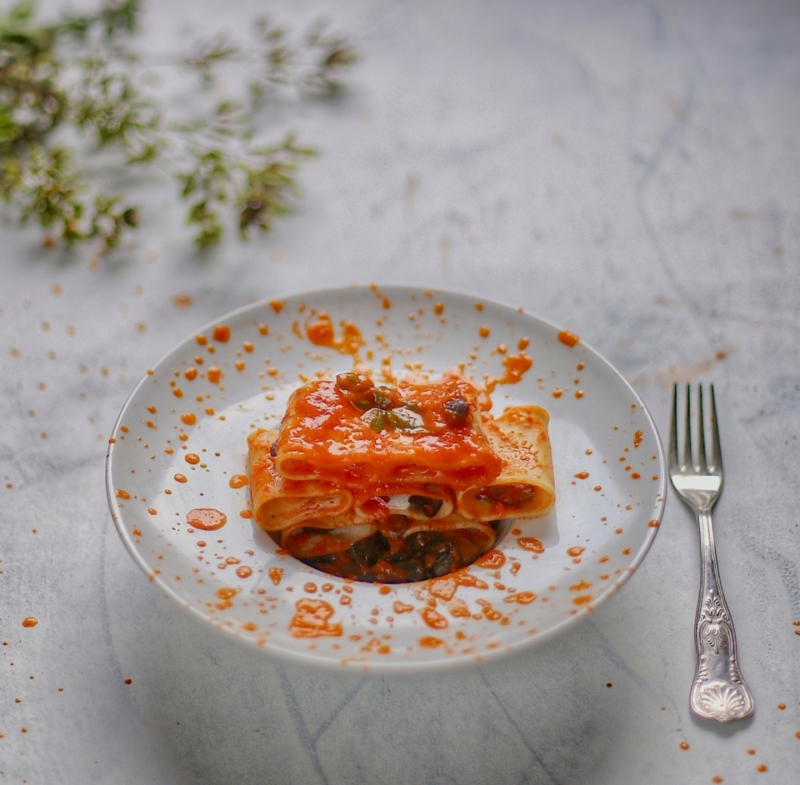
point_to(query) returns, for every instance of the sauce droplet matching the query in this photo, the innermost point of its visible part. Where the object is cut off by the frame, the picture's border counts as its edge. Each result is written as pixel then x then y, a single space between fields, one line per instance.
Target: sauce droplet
pixel 206 518
pixel 322 333
pixel 238 481
pixel 492 560
pixel 522 597
pixel 222 333
pixel 433 618
pixel 30 621
pixel 531 544
pixel 568 338
pixel 429 642
pixel 312 620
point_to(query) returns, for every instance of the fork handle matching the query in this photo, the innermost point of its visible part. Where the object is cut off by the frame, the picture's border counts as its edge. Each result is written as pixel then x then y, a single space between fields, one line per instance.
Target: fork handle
pixel 719 692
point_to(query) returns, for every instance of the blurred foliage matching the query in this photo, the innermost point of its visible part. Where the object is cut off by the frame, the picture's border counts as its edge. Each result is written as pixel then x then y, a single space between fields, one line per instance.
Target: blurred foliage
pixel 82 74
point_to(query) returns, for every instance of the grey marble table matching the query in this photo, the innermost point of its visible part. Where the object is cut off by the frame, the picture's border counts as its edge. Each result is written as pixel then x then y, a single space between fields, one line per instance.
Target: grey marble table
pixel 628 170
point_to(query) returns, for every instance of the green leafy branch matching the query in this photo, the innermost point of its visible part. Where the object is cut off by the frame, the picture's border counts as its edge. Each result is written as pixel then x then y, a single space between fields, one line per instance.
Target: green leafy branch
pixel 79 73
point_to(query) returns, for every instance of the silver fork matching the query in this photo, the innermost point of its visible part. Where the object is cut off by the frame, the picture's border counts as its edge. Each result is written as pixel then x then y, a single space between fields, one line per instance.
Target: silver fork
pixel 718 692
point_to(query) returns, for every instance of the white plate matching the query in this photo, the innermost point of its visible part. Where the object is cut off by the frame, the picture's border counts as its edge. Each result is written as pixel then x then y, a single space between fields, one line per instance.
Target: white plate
pixel 601 528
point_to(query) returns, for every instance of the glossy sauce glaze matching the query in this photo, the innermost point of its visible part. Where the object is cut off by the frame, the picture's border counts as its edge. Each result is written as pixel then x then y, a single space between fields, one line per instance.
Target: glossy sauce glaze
pixel 353 433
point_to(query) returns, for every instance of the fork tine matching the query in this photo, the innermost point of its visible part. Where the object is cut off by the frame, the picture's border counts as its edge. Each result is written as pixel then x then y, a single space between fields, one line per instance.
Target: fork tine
pixel 716 450
pixel 673 430
pixel 687 444
pixel 701 428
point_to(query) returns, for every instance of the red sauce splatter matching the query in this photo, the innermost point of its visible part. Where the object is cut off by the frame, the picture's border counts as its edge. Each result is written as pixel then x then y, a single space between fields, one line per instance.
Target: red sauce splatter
pixel 516 365
pixel 445 587
pixel 762 767
pixel 531 544
pixel 128 681
pixel 492 560
pixel 568 339
pixel 575 550
pixel 201 339
pixel 238 481
pixel 385 590
pixel 582 475
pixel 489 612
pixel 214 374
pixel 401 607
pixel 206 518
pixel 438 309
pixel 583 599
pixel 182 300
pixel 654 524
pixel 246 514
pixel 222 333
pixel 190 374
pixel 244 571
pixel 192 458
pixel 225 595
pixel 276 305
pixel 636 476
pixel 120 494
pixel 580 586
pixel 638 438
pixel 188 418
pixel 321 333
pixel 521 597
pixel 429 642
pixel 433 618
pixel 30 621
pixel 558 392
pixel 180 478
pixel 717 779
pixel 312 620
pixel 484 331
pixel 275 574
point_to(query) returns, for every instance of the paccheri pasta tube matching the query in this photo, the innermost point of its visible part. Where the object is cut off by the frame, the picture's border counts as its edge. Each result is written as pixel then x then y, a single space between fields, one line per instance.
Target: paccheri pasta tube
pixel 396 484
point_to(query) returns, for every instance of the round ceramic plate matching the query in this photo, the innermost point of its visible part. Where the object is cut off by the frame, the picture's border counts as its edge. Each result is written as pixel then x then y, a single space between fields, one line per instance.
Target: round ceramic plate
pixel 180 445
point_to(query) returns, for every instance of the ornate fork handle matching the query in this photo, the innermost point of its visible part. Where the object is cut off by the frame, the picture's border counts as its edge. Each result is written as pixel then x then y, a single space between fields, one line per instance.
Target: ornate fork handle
pixel 718 692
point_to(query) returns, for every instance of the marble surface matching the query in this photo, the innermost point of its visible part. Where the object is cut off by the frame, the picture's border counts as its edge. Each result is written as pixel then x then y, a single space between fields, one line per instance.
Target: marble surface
pixel 627 170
